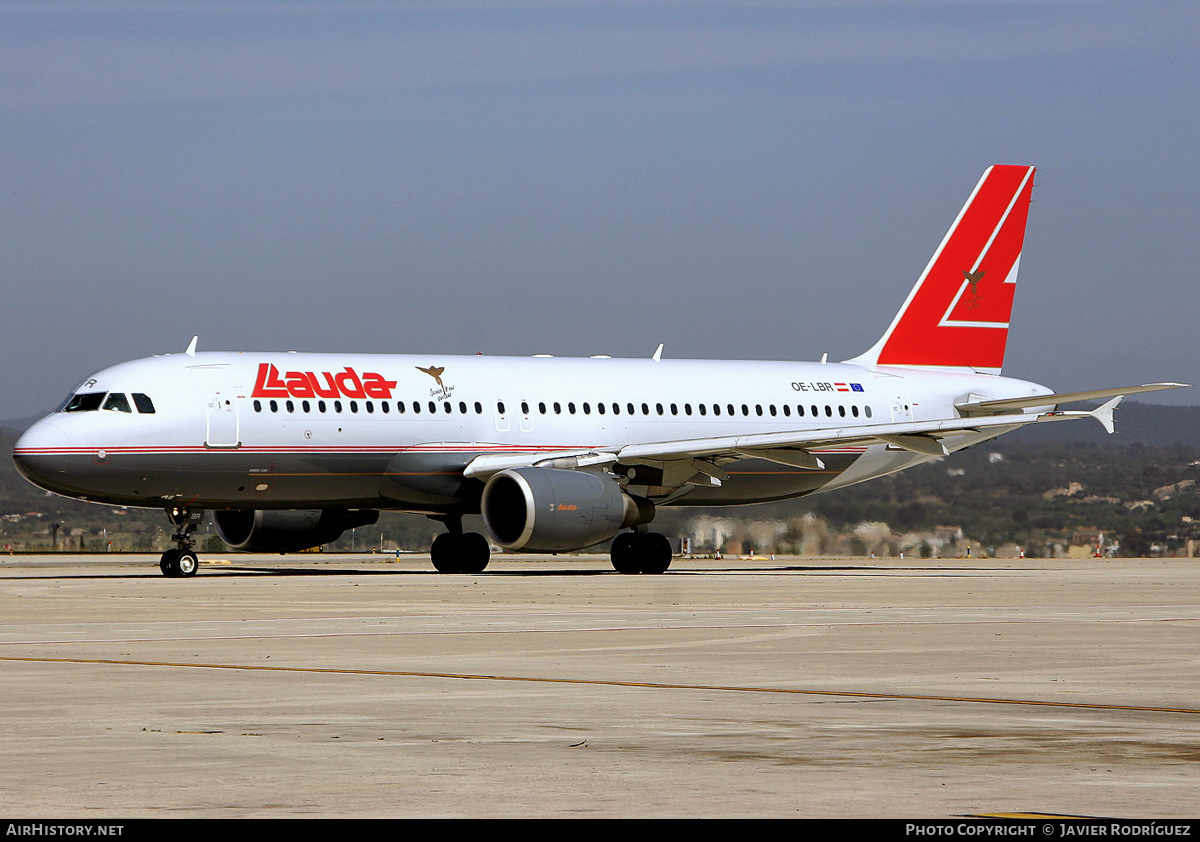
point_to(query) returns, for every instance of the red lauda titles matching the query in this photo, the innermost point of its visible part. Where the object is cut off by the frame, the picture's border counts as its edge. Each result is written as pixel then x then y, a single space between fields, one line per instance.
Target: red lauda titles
pixel 307 384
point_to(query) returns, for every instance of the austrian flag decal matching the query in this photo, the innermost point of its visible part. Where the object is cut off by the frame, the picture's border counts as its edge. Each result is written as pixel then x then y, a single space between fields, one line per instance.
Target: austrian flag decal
pixel 307 384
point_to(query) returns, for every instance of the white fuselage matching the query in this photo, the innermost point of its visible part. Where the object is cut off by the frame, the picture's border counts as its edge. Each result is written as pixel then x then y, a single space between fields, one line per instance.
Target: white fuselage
pixel 271 430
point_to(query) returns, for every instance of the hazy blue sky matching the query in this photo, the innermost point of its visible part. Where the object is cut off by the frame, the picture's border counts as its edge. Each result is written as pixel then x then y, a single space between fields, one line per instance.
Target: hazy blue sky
pixel 736 180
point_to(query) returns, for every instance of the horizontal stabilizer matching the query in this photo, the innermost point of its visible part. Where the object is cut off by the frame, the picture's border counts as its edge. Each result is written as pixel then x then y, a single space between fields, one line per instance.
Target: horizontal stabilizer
pixel 1104 414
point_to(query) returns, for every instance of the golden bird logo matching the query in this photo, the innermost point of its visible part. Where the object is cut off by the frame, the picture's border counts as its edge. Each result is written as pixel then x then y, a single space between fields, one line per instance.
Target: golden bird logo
pixel 973 278
pixel 434 371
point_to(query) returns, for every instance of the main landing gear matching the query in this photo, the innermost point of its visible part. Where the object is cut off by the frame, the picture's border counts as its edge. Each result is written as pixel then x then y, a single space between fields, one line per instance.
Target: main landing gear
pixel 456 551
pixel 182 561
pixel 641 552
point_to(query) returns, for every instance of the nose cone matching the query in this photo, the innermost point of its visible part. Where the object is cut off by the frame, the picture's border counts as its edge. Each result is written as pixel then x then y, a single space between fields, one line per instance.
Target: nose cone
pixel 38 450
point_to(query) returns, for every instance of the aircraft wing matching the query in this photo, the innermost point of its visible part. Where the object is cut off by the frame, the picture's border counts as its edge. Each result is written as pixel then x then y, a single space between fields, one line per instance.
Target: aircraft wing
pixel 1005 404
pixel 482 467
pixel 797 448
pixel 801 448
pixel 932 438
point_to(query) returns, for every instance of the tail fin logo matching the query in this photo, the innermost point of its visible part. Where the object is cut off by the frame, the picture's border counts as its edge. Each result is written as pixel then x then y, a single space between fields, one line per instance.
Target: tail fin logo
pixel 958 313
pixel 973 278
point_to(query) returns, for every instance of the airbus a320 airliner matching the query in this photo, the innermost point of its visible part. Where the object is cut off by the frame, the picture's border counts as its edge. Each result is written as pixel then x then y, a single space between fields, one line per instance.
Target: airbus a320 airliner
pixel 291 450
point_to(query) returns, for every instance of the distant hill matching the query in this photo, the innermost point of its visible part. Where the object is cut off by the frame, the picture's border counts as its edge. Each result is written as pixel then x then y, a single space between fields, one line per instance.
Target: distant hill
pixel 1137 423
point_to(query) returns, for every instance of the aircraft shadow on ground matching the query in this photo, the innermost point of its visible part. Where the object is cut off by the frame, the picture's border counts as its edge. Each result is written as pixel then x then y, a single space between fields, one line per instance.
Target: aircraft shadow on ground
pixel 244 570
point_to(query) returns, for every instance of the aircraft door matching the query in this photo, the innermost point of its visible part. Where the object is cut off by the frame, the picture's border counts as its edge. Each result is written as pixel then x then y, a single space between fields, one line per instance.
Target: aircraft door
pixel 896 392
pixel 502 422
pixel 222 417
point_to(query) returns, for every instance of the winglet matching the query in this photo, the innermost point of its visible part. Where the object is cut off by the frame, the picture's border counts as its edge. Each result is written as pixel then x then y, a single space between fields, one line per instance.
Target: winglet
pixel 191 348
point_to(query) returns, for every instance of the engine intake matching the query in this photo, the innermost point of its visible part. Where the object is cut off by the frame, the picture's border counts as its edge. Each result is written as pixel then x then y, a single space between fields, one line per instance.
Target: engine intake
pixel 286 530
pixel 554 510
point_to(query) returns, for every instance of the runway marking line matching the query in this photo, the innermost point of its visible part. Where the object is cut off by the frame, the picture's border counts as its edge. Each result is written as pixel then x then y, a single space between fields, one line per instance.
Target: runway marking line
pixel 597 682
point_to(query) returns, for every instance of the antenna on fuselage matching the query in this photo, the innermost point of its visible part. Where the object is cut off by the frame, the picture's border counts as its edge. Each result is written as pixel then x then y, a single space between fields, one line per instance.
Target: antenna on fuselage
pixel 657 355
pixel 191 348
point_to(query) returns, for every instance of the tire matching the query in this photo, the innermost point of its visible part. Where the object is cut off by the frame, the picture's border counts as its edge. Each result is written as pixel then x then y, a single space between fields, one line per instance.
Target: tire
pixel 444 553
pixel 624 553
pixel 654 553
pixel 473 553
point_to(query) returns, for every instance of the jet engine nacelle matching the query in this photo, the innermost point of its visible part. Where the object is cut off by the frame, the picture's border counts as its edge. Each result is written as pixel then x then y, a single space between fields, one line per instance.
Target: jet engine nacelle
pixel 553 510
pixel 286 530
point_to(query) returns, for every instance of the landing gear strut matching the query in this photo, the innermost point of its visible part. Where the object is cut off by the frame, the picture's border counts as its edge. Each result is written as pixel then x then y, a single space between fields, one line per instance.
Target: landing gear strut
pixel 455 551
pixel 641 552
pixel 182 561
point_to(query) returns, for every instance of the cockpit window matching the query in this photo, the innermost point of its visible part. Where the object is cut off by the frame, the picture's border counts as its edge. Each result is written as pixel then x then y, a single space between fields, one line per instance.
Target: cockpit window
pixel 143 403
pixel 117 402
pixel 84 402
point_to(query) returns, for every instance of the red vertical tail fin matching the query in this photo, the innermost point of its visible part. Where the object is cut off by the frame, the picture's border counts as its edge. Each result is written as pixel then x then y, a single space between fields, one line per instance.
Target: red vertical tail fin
pixel 958 313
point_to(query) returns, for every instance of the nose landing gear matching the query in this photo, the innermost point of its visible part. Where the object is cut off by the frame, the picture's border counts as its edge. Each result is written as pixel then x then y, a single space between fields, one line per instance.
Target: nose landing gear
pixel 182 561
